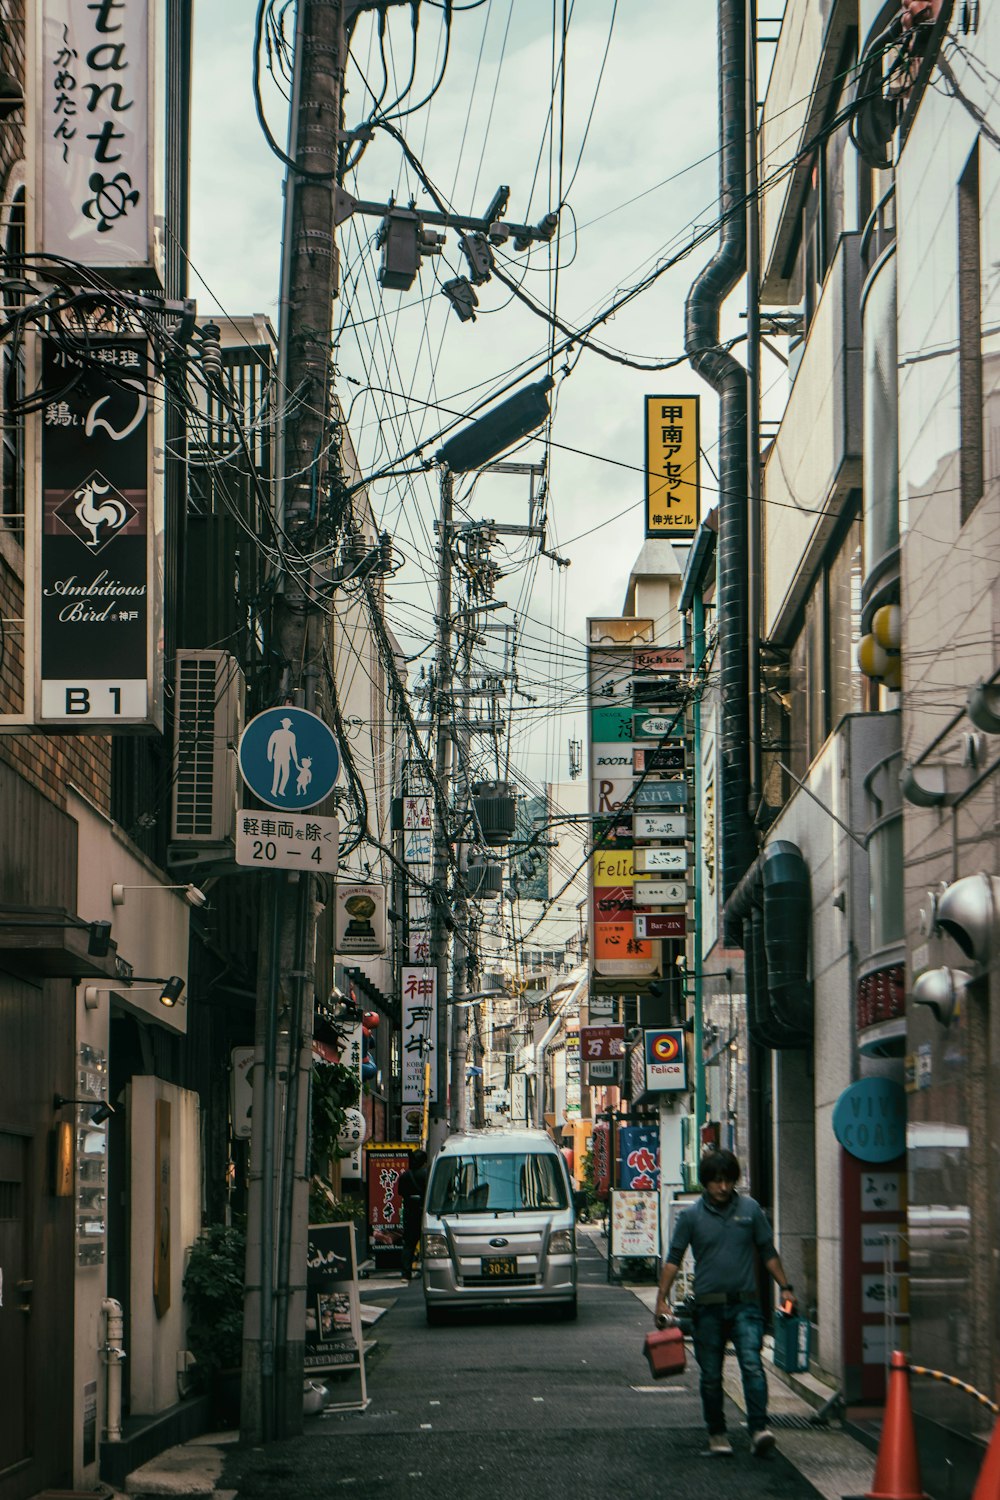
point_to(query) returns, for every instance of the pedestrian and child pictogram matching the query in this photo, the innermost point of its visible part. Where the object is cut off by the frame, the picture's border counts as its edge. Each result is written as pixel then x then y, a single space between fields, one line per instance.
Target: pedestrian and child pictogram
pixel 289 758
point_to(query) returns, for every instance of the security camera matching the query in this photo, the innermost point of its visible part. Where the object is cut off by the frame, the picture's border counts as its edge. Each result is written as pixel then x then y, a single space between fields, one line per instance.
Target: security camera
pixel 101 1113
pixel 941 990
pixel 968 911
pixel 194 896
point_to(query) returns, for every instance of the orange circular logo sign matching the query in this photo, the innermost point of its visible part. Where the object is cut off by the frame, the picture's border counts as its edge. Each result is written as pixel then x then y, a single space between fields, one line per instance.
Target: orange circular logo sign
pixel 664 1048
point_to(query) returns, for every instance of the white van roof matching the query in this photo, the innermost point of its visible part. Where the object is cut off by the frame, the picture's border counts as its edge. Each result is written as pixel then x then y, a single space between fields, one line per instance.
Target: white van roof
pixel 471 1142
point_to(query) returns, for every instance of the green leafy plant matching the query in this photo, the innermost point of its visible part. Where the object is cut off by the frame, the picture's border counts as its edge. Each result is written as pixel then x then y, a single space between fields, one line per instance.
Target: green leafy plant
pixel 335 1090
pixel 596 1207
pixel 325 1207
pixel 213 1291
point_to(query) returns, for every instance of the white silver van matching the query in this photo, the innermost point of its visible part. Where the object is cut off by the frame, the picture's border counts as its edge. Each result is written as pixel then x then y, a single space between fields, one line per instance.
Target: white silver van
pixel 499 1225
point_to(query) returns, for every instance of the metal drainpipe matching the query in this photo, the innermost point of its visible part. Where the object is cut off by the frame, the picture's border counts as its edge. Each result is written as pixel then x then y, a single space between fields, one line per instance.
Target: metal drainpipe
pixel 114 1356
pixel 754 549
pixel 728 377
pixel 542 1046
pixel 698 1036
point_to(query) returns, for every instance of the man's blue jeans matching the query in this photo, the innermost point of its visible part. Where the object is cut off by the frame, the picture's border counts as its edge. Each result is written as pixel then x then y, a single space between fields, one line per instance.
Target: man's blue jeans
pixel 714 1325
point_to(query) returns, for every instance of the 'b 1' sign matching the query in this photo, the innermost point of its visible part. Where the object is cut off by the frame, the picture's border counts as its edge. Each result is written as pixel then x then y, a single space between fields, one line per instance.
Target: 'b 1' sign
pixel 95 607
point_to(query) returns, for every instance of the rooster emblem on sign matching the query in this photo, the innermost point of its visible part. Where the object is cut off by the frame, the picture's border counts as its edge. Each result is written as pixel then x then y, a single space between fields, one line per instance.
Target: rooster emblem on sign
pixel 93 511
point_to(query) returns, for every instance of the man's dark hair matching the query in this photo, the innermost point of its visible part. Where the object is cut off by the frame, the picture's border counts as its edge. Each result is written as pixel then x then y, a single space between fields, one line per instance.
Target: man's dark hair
pixel 418 1159
pixel 716 1165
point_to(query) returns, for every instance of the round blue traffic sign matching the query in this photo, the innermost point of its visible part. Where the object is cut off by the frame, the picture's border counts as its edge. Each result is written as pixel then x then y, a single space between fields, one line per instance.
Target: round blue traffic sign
pixel 289 758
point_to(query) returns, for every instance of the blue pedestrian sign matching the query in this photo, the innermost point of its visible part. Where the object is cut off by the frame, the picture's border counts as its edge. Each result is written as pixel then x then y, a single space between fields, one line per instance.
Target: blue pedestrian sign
pixel 289 758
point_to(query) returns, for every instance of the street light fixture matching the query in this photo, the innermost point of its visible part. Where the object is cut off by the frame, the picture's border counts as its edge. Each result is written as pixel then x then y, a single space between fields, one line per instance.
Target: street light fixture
pixel 169 989
pixel 192 894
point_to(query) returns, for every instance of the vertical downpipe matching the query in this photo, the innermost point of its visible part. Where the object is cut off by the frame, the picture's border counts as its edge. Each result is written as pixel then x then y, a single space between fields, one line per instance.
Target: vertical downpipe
pixel 755 557
pixel 729 378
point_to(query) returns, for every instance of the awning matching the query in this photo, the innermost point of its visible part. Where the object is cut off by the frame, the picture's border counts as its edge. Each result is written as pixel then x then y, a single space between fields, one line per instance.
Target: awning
pixel 53 943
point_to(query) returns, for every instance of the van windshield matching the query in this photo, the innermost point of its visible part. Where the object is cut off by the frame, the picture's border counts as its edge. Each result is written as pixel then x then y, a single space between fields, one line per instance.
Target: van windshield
pixel 504 1183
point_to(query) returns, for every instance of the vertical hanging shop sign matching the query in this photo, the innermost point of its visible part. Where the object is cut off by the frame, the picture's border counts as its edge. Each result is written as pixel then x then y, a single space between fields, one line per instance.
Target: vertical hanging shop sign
pixel 672 454
pixel 97 557
pixel 419 1011
pixel 94 142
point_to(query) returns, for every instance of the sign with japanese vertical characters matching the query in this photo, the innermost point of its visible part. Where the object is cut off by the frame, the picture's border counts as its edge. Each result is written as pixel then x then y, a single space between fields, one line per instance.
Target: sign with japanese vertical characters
pixel 419 1031
pixel 672 454
pixel 94 136
pixel 99 542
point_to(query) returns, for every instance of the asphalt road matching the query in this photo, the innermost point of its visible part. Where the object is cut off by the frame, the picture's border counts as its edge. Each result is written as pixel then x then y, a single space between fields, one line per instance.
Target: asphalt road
pixel 505 1405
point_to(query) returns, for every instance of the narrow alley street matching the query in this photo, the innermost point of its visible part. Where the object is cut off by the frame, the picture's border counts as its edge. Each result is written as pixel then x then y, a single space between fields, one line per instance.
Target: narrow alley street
pixel 524 1404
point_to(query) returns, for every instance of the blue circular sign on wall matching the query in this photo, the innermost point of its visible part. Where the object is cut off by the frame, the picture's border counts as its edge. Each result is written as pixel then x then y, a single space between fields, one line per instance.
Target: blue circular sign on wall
pixel 869 1119
pixel 289 758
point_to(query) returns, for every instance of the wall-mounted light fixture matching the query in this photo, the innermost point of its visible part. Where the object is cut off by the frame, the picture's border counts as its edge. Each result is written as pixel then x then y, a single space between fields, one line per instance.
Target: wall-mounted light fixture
pixel 983 706
pixel 941 990
pixel 192 894
pixel 968 910
pixel 169 990
pixel 102 1111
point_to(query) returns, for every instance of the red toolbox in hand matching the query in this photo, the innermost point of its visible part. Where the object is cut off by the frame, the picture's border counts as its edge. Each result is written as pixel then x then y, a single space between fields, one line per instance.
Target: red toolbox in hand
pixel 664 1351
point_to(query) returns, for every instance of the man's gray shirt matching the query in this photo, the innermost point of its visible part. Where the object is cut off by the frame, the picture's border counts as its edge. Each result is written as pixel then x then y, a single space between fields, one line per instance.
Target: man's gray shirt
pixel 723 1241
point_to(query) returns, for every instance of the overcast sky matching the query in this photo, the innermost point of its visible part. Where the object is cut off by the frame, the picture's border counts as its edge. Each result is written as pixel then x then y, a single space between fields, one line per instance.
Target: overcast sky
pixel 645 181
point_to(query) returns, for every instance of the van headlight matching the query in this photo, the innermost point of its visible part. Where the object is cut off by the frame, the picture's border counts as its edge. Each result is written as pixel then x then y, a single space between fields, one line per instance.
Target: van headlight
pixel 435 1247
pixel 561 1242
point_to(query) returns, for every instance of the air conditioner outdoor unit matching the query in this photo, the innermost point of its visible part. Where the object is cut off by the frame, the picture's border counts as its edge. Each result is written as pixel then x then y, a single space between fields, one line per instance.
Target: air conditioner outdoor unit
pixel 209 692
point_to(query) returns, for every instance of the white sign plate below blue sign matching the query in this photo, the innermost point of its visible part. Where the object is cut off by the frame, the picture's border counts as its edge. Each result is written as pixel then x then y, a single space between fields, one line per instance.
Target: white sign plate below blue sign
pixel 289 758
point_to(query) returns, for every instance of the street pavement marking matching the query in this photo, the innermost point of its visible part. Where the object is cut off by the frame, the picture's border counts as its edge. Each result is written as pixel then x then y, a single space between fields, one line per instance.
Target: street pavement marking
pixel 426 1426
pixel 538 1398
pixel 661 1390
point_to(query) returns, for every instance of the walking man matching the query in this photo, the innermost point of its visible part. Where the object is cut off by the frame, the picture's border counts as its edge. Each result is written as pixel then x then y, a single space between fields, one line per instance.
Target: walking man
pixel 726 1231
pixel 412 1188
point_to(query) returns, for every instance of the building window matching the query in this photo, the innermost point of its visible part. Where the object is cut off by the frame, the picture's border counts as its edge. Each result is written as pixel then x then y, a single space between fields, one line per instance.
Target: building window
pixel 824 683
pixel 970 350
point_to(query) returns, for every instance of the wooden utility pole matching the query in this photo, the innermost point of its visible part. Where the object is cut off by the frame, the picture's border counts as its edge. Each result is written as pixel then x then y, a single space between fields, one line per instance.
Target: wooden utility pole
pixel 278 1202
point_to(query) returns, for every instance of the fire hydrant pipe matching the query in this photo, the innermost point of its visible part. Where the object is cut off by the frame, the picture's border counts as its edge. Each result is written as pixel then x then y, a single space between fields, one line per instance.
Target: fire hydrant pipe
pixel 114 1354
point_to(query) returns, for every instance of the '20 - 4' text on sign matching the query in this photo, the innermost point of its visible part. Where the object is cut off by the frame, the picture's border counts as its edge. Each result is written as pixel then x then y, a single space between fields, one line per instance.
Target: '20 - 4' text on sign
pixel 287 841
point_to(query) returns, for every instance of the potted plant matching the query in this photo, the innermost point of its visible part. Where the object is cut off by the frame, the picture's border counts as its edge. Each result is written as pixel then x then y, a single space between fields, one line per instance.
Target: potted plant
pixel 213 1291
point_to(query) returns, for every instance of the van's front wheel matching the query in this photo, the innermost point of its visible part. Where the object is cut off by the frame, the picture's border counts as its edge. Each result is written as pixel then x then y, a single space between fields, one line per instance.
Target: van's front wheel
pixel 566 1312
pixel 436 1316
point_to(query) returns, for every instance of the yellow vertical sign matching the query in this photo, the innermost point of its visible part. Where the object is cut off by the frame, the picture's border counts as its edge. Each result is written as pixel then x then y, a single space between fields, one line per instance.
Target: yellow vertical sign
pixel 672 474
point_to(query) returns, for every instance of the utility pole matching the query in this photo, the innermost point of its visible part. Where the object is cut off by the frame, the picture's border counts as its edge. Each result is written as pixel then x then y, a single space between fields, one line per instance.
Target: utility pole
pixel 442 714
pixel 277 1218
pixel 459 1034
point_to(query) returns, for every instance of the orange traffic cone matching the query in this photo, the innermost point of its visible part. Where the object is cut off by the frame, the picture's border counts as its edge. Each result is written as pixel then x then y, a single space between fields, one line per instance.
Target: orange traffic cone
pixel 988 1483
pixel 897 1470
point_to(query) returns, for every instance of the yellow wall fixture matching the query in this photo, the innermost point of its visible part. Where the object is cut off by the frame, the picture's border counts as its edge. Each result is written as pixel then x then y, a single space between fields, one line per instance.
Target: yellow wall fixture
pixel 873 659
pixel 878 652
pixel 887 627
